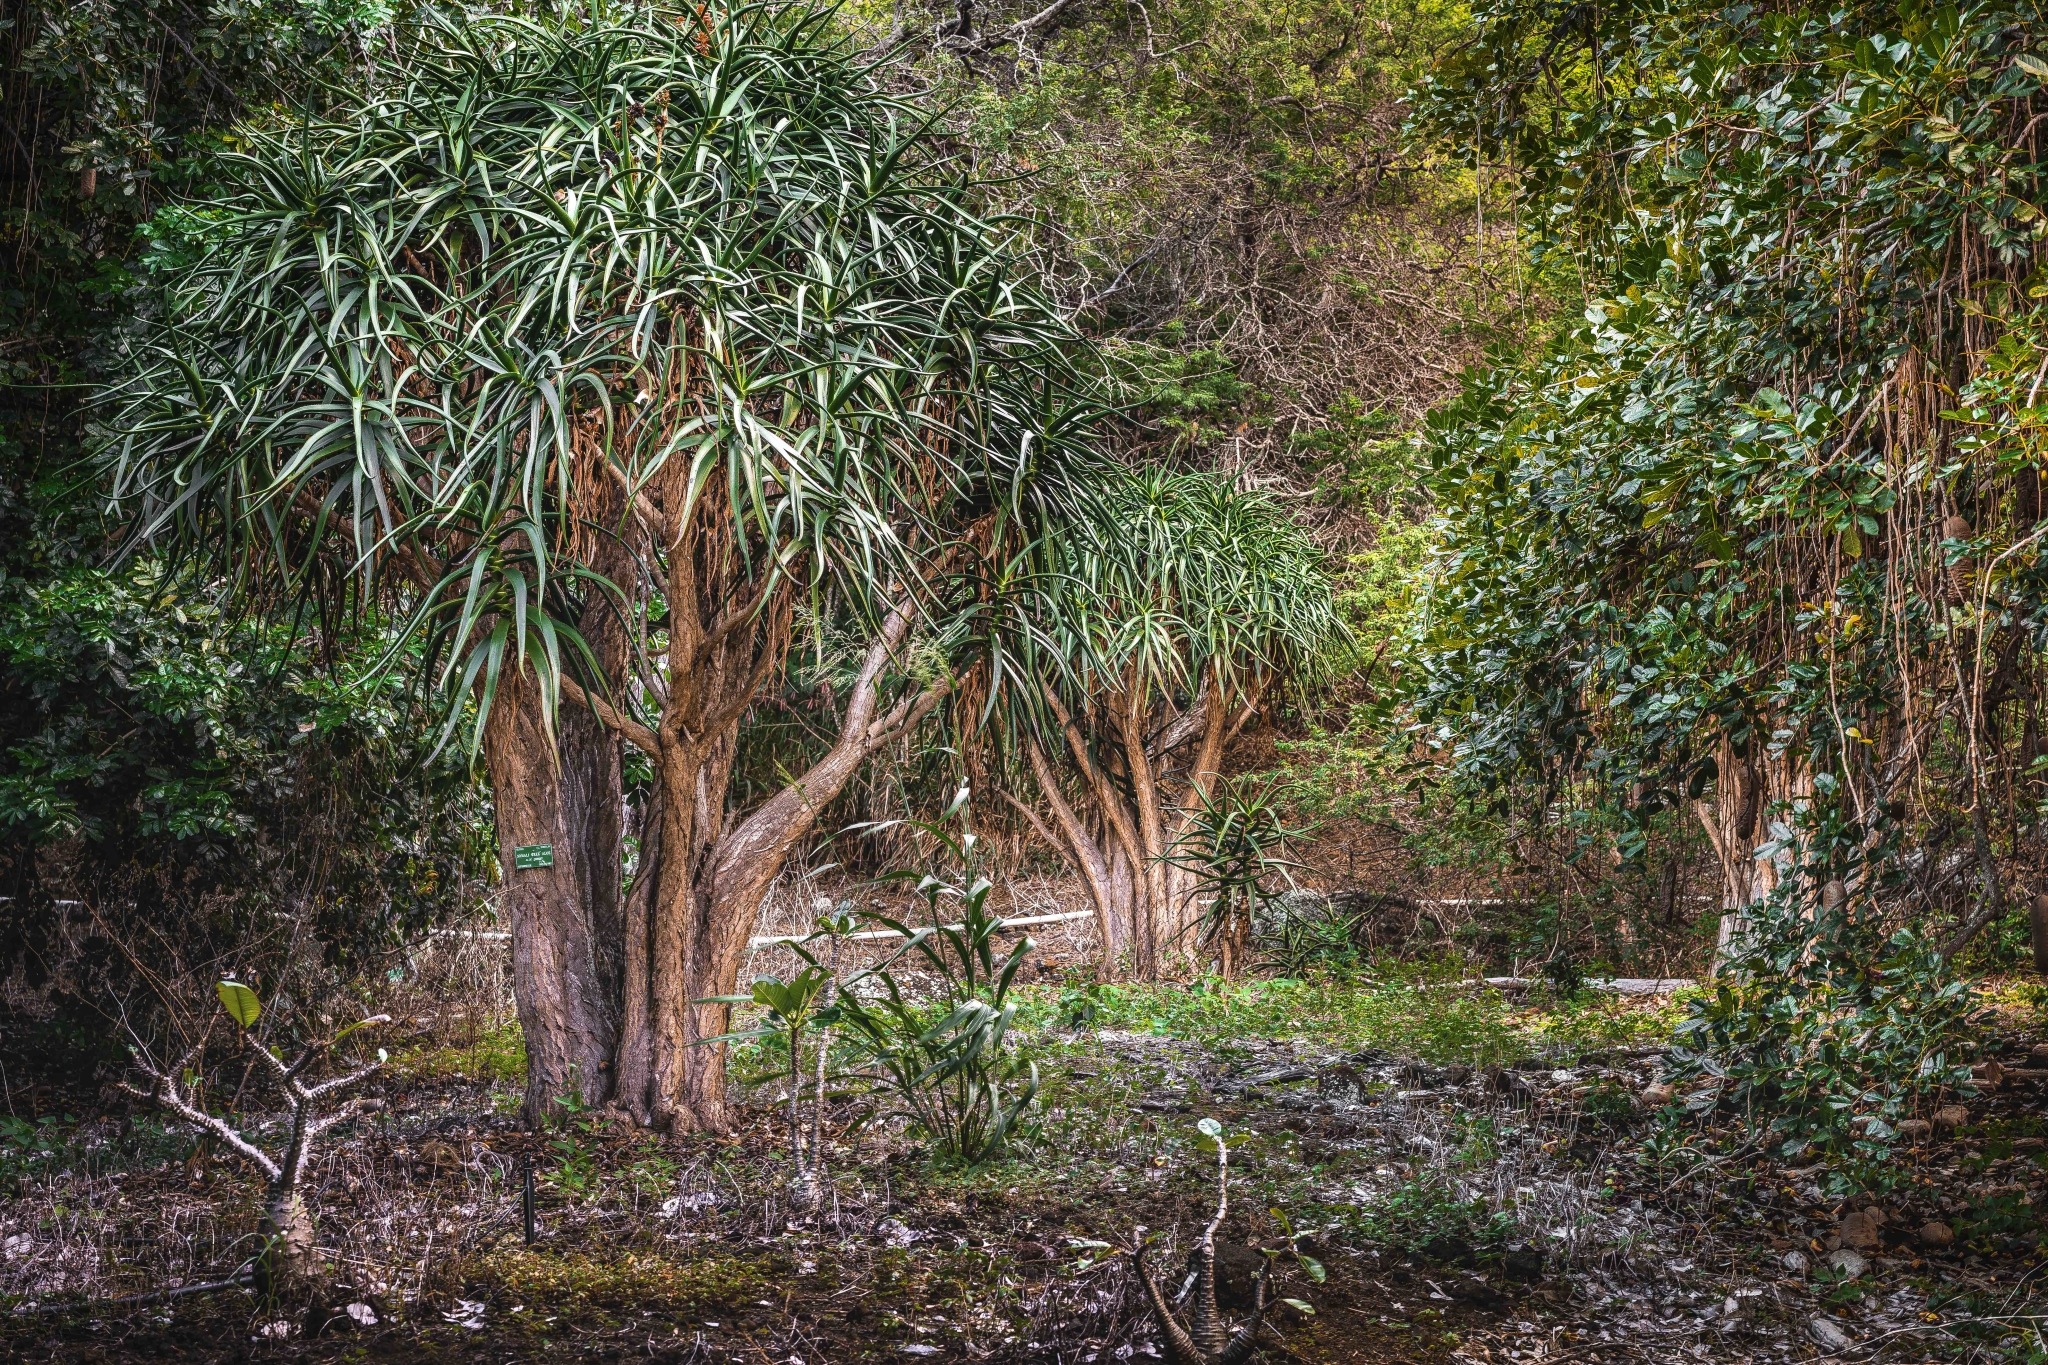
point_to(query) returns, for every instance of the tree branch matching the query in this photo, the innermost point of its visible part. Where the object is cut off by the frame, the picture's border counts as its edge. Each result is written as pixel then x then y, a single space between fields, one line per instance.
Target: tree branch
pixel 164 1091
pixel 642 737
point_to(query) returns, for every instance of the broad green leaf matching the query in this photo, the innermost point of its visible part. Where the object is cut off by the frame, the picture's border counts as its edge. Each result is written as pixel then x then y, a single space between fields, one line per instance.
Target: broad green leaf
pixel 240 1002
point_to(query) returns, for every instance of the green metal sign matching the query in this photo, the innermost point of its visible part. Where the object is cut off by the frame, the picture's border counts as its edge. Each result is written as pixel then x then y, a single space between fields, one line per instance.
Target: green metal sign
pixel 533 855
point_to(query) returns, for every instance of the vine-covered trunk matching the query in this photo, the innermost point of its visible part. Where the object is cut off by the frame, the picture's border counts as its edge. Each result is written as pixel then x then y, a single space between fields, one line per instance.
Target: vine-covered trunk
pixel 1747 789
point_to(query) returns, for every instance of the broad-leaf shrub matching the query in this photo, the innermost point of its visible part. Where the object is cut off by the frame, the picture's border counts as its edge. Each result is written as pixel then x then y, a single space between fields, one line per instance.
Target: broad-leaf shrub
pixel 1830 1030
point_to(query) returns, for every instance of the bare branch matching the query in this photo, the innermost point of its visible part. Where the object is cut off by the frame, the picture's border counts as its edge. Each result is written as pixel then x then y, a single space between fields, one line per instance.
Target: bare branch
pixel 164 1091
pixel 642 737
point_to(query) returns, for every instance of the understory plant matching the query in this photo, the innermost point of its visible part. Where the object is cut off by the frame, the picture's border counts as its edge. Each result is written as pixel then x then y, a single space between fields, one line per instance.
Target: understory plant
pixel 1235 843
pixel 1828 1028
pixel 289 1259
pixel 1207 1339
pixel 945 1059
pixel 790 1009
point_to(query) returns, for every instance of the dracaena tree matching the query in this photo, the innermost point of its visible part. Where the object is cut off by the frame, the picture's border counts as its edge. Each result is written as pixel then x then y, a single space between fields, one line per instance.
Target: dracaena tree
pixel 601 350
pixel 1153 625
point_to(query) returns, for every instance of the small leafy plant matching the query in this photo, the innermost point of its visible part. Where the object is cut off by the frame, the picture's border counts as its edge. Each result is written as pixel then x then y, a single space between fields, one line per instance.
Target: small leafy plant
pixel 1235 844
pixel 1827 1031
pixel 1206 1339
pixel 946 1062
pixel 789 1009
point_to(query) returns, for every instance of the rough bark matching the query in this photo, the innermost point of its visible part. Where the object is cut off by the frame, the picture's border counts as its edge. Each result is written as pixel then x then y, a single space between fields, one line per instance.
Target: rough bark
pixel 1141 812
pixel 695 906
pixel 559 798
pixel 2040 927
pixel 1735 819
pixel 1087 855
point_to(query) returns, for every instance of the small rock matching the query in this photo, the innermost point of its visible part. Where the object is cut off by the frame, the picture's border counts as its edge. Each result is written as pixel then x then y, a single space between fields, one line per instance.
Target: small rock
pixel 1828 1334
pixel 1937 1235
pixel 1796 1262
pixel 1457 1075
pixel 1656 1096
pixel 1950 1117
pixel 1851 1264
pixel 1341 1084
pixel 1915 1131
pixel 1522 1262
pixel 1863 1230
pixel 362 1314
pixel 2039 1056
pixel 1036 1252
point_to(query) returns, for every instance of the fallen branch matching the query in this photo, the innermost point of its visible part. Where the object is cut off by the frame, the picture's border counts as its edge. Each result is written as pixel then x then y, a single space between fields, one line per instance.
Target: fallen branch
pixel 241 1280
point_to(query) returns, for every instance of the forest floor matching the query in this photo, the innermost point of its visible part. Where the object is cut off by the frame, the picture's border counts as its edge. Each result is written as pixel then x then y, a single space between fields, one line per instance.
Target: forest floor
pixel 1477 1176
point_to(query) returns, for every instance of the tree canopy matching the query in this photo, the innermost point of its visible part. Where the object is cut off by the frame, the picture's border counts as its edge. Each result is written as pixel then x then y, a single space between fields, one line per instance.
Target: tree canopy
pixel 1761 525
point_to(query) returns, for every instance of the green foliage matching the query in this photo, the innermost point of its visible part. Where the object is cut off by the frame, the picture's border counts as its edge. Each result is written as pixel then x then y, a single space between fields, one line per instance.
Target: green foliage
pixel 167 760
pixel 240 1002
pixel 1235 843
pixel 190 771
pixel 1825 1033
pixel 1164 581
pixel 1225 183
pixel 944 1059
pixel 1728 521
pixel 1427 1217
pixel 1398 1015
pixel 710 264
pixel 1304 934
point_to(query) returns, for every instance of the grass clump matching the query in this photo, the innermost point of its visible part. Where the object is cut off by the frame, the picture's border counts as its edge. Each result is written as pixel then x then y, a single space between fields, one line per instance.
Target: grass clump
pixel 496 1055
pixel 1401 1016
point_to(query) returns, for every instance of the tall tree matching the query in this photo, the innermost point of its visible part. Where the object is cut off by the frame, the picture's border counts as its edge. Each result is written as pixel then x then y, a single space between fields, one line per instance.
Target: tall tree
pixel 1153 626
pixel 603 347
pixel 1763 531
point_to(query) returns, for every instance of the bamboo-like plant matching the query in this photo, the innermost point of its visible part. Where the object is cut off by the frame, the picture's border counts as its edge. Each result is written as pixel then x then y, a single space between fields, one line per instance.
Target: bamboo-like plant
pixel 598 349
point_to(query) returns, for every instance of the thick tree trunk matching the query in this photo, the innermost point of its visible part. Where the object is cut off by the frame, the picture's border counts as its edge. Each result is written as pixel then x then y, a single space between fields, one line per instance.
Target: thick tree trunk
pixel 287 1272
pixel 1167 948
pixel 700 897
pixel 1736 820
pixel 1183 910
pixel 562 800
pixel 1087 854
